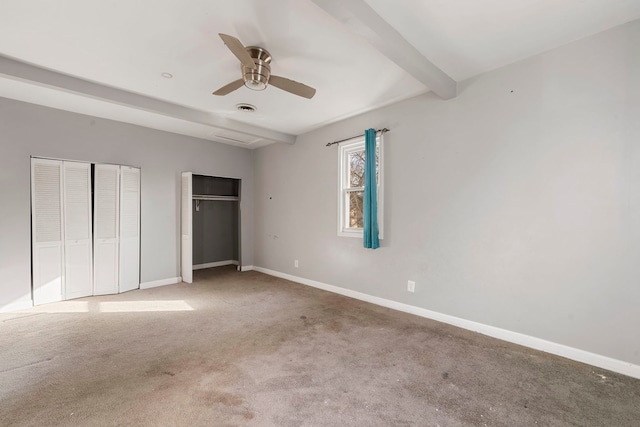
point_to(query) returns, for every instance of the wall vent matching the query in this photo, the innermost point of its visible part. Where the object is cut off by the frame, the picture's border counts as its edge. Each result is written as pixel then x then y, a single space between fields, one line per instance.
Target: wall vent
pixel 237 137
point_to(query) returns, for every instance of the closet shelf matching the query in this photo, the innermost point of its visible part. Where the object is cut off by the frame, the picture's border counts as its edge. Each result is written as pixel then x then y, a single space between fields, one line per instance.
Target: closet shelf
pixel 219 198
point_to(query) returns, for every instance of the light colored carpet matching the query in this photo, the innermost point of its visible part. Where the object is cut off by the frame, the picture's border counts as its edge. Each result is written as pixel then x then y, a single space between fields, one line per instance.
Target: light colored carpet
pixel 249 349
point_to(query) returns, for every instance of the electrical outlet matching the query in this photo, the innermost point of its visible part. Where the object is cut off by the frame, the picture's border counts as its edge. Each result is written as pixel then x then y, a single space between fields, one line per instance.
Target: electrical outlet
pixel 411 286
pixel 295 263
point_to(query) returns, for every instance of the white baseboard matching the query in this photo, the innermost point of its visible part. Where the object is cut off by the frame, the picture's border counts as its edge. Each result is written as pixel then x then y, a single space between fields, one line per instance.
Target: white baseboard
pixel 583 356
pixel 16 305
pixel 162 282
pixel 247 268
pixel 215 264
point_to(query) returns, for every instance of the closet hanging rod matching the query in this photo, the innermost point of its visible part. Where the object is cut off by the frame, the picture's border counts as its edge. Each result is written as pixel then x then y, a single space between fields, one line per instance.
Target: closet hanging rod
pixel 213 198
pixel 329 144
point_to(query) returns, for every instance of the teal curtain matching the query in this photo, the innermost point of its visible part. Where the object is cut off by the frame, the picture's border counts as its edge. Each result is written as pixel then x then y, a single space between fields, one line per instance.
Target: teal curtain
pixel 370 191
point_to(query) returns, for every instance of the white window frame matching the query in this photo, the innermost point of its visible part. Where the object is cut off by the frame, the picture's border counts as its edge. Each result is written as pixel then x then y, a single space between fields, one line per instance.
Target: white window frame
pixel 343 186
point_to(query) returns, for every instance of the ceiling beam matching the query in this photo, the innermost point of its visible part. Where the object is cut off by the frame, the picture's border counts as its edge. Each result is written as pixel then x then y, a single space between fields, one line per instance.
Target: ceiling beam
pixel 361 19
pixel 18 70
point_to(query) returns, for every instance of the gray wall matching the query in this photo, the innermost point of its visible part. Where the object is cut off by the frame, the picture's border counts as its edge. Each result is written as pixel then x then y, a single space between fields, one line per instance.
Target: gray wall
pixel 515 205
pixel 28 130
pixel 215 224
pixel 215 232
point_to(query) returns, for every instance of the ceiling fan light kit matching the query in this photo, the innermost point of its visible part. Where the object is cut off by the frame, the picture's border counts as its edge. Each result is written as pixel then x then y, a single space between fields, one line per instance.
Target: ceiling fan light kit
pixel 256 71
pixel 257 78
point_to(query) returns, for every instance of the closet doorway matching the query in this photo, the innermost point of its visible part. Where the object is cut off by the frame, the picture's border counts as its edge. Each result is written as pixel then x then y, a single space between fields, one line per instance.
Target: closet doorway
pixel 85 222
pixel 210 223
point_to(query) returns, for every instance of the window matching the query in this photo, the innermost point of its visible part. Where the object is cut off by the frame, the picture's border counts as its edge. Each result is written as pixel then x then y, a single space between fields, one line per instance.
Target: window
pixel 351 191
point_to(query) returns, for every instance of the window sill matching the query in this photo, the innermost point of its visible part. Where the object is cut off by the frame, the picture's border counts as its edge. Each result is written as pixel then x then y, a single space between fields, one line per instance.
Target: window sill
pixel 350 233
pixel 354 233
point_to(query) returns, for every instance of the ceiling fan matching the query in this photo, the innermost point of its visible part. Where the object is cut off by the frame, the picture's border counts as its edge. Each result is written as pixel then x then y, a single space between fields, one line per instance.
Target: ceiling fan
pixel 256 71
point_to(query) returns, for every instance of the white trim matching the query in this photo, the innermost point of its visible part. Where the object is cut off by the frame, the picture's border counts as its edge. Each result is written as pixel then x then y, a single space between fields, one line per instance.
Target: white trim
pixel 380 189
pixel 16 305
pixel 247 268
pixel 161 282
pixel 186 227
pixel 83 161
pixel 604 362
pixel 215 264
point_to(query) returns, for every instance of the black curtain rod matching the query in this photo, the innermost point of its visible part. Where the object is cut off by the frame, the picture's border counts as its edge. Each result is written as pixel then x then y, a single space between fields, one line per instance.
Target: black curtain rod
pixel 383 130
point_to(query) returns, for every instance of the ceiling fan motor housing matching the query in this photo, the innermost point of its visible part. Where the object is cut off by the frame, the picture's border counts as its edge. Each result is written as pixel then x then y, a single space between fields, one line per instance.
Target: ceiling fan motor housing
pixel 257 78
pixel 256 71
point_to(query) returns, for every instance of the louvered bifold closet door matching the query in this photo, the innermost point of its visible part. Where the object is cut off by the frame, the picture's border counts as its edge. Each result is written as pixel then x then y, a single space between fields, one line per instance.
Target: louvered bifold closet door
pixel 106 213
pixel 78 259
pixel 46 234
pixel 129 228
pixel 187 227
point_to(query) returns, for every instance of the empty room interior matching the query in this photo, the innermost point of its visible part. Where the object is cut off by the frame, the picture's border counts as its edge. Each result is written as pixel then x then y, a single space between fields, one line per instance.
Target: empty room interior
pixel 320 212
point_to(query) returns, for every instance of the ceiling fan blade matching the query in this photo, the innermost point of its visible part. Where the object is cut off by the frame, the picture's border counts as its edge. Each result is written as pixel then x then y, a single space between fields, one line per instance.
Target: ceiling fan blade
pixel 228 88
pixel 238 49
pixel 292 86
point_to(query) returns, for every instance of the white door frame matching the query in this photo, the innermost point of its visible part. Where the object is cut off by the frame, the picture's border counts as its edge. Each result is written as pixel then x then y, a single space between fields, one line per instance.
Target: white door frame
pixel 186 228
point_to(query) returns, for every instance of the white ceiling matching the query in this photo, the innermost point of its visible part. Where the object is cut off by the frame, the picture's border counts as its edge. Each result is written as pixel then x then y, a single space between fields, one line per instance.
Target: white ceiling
pixel 116 52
